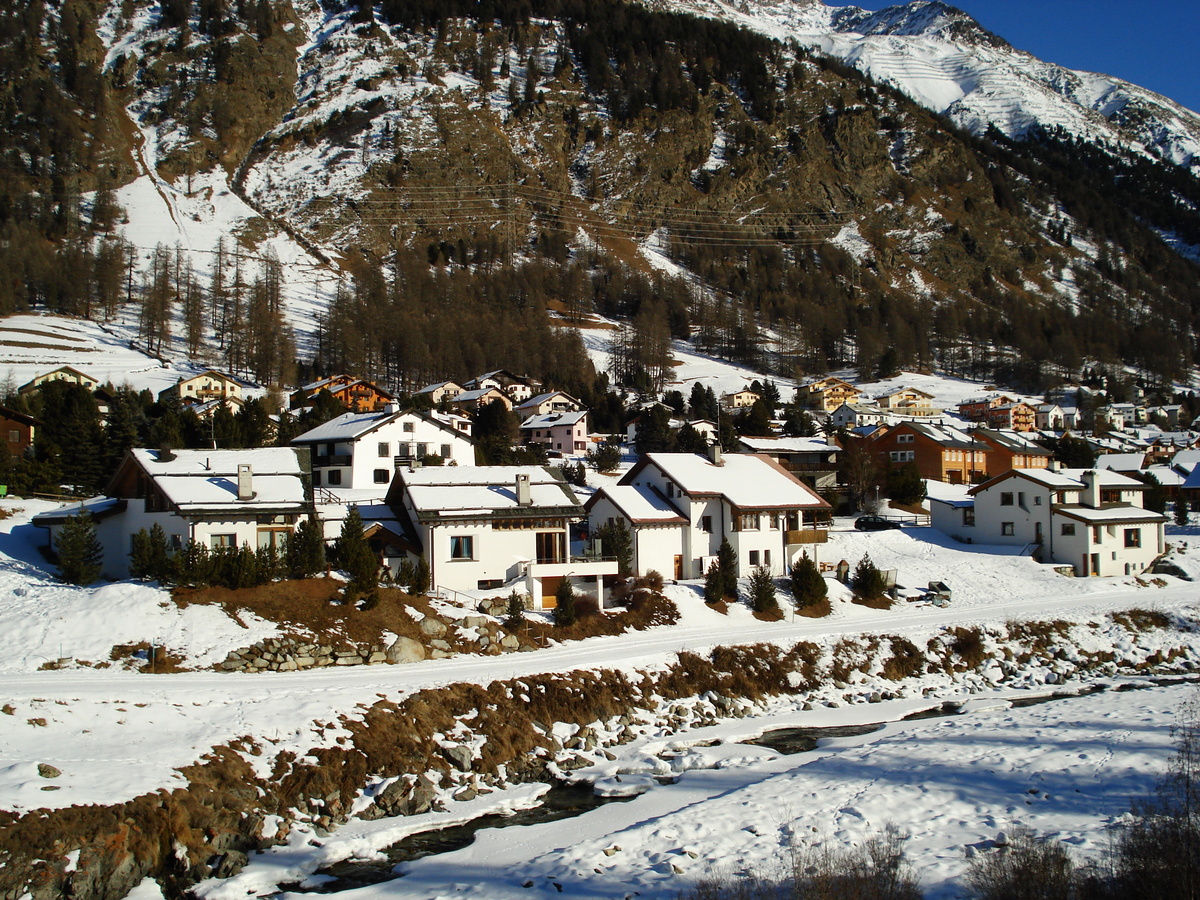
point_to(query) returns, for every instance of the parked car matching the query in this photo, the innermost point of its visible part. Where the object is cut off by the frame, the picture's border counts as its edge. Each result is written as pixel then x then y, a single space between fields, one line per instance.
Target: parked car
pixel 874 523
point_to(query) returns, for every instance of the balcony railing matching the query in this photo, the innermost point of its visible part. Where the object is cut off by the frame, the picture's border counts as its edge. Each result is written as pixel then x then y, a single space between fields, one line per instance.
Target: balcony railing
pixel 808 536
pixel 333 459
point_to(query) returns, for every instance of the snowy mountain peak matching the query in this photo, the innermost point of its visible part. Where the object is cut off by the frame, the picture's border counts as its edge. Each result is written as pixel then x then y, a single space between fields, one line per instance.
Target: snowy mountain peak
pixel 928 18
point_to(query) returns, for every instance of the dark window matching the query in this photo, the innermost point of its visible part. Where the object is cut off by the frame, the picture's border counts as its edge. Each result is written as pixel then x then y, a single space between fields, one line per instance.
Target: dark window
pixel 754 557
pixel 1006 529
pixel 462 547
pixel 335 476
pixel 706 524
pixel 1068 529
pixel 381 476
pixel 385 448
pixel 1006 498
pixel 1133 537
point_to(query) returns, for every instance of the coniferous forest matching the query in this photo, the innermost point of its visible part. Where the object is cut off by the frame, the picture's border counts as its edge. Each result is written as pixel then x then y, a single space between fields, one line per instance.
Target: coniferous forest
pixel 959 252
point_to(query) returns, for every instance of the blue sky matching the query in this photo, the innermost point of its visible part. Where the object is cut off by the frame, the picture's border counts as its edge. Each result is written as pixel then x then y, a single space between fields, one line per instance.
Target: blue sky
pixel 1152 43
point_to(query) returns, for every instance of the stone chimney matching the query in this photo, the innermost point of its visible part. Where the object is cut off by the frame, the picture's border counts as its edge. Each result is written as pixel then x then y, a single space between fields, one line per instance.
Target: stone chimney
pixel 524 497
pixel 714 454
pixel 1090 495
pixel 392 406
pixel 245 482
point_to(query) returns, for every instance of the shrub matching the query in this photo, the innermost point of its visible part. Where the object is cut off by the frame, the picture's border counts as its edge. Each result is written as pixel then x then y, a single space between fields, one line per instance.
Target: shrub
pixel 868 581
pixel 1157 854
pixel 1028 867
pixel 808 585
pixel 606 457
pixel 306 549
pixel 148 558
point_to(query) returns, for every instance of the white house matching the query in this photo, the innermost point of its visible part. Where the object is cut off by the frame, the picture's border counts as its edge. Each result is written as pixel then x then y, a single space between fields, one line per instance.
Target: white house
pixel 484 527
pixel 552 401
pixel 1090 519
pixel 220 498
pixel 360 451
pixel 856 415
pixel 679 506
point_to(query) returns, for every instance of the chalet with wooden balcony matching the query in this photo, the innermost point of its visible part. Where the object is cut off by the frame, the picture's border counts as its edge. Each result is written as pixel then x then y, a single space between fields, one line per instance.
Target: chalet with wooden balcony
pixel 680 506
pixel 812 460
pixel 208 385
pixel 356 394
pixel 827 394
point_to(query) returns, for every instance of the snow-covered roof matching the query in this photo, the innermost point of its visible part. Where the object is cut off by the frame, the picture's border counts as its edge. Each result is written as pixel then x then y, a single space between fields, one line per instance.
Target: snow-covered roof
pixel 481 490
pixel 1186 459
pixel 1166 476
pixel 788 445
pixel 212 463
pixel 744 480
pixel 641 505
pixel 195 480
pixel 351 426
pixel 1111 515
pixel 97 507
pixel 1065 479
pixel 1120 462
pixel 555 418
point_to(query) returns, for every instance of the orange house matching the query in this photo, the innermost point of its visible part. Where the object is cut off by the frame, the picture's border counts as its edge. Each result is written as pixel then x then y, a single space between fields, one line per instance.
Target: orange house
pixel 353 393
pixel 941 453
pixel 1009 450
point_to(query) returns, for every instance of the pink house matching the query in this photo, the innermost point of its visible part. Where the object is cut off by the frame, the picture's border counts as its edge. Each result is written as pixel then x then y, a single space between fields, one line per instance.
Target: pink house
pixel 565 432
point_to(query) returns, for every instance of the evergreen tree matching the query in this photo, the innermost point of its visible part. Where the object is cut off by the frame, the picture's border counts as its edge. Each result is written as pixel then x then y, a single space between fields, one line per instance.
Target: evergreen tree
pixel 1181 512
pixel 79 550
pixel 762 590
pixel 654 432
pixel 728 568
pixel 149 556
pixel 606 457
pixel 714 584
pixel 564 604
pixel 355 555
pixel 754 421
pixel 515 614
pixel 905 484
pixel 808 586
pixel 420 583
pixel 306 549
pixel 616 542
pixel 869 582
pixel 192 566
pixel 689 440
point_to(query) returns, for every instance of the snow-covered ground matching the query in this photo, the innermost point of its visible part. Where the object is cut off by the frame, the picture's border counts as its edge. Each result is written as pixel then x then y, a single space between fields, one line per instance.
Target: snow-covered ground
pixel 955 785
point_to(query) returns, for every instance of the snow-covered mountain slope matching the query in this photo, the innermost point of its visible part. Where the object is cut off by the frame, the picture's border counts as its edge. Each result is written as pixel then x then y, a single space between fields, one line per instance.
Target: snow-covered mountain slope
pixel 947 62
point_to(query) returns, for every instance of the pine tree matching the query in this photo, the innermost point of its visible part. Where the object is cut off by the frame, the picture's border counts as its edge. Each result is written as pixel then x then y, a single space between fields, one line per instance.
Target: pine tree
pixel 727 566
pixel 564 604
pixel 762 590
pixel 79 550
pixel 306 549
pixel 1181 512
pixel 617 543
pixel 420 583
pixel 515 615
pixel 869 582
pixel 808 587
pixel 714 585
pixel 355 555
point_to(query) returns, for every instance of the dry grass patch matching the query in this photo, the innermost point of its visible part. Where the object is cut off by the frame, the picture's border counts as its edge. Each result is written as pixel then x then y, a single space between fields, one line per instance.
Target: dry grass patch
pixel 312 608
pixel 818 610
pixel 880 602
pixel 1142 619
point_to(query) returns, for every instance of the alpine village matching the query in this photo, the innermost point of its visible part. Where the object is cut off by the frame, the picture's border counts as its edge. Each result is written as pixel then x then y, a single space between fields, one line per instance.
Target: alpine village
pixel 674 449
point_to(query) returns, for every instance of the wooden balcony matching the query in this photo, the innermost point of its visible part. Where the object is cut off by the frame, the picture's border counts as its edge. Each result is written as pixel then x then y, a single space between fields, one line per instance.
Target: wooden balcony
pixel 808 536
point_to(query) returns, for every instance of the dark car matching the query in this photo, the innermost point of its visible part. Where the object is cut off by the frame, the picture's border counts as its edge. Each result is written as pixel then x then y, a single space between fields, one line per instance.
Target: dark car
pixel 874 523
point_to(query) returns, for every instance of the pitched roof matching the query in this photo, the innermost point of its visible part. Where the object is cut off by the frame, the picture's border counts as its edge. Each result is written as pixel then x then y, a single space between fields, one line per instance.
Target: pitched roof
pixel 744 480
pixel 555 418
pixel 448 492
pixel 1120 462
pixel 641 505
pixel 207 480
pixel 788 445
pixel 352 426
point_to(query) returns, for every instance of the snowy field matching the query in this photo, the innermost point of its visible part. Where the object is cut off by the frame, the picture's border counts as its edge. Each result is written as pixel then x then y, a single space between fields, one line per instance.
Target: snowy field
pixel 955 785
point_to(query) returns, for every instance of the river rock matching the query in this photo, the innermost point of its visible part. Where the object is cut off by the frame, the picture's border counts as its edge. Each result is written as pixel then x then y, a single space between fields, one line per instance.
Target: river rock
pixel 460 756
pixel 433 627
pixel 405 650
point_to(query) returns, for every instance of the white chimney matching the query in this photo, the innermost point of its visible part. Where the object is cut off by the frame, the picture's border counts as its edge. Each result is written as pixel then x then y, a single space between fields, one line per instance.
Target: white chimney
pixel 524 497
pixel 1090 496
pixel 245 482
pixel 392 406
pixel 714 453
